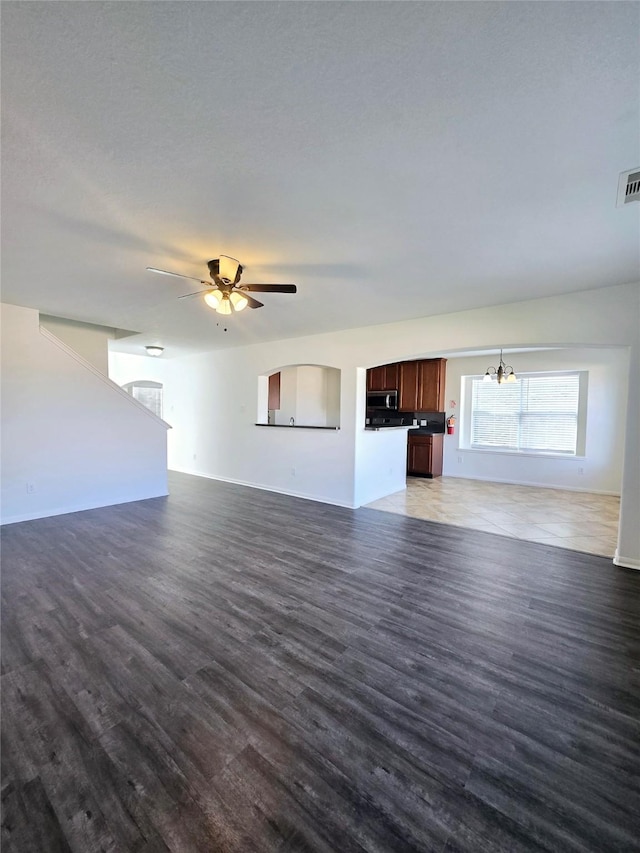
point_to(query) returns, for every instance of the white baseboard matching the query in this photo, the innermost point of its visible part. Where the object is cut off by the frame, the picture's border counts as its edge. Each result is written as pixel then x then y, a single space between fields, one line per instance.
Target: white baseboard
pixel 265 488
pixel 626 562
pixel 532 484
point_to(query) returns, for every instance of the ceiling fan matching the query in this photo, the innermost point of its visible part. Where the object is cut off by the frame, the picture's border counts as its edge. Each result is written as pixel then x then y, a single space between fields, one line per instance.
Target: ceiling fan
pixel 224 293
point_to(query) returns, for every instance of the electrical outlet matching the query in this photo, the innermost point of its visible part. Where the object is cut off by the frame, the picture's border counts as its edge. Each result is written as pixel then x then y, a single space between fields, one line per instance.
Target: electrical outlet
pixel 31 488
pixel 293 472
pixel 580 470
pixel 460 459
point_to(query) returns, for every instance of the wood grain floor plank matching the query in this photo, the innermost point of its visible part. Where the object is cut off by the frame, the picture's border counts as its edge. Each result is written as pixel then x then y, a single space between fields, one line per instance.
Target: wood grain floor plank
pixel 333 680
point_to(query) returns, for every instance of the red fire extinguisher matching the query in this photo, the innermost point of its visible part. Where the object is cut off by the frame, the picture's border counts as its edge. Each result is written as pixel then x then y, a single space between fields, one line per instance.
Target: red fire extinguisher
pixel 451 425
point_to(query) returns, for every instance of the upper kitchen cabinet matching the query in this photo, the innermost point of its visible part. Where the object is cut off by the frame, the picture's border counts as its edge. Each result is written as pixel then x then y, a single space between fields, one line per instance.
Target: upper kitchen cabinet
pixel 421 385
pixel 274 391
pixel 408 386
pixel 383 378
pixel 433 377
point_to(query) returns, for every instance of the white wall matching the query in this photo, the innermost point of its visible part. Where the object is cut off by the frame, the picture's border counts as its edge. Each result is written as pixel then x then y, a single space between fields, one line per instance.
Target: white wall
pixel 332 390
pixel 71 440
pixel 601 466
pixel 215 395
pixel 382 460
pixel 89 341
pixel 312 395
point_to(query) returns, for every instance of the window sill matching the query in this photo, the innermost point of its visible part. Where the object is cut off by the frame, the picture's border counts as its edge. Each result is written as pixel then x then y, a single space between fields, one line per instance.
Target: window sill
pixel 518 453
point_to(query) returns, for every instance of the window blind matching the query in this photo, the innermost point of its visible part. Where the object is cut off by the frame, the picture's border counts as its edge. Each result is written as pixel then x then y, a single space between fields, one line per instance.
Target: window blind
pixel 535 414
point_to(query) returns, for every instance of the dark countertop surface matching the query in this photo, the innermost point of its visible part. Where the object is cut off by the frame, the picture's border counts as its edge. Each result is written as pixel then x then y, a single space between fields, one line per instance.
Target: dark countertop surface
pixel 297 426
pixel 373 428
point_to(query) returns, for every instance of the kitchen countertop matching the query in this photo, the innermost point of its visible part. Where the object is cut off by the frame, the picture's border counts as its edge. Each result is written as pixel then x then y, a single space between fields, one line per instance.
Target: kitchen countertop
pixel 297 426
pixel 382 427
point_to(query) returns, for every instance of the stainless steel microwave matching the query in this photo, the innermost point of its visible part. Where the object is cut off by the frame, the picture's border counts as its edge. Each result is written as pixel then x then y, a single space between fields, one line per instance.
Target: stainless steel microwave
pixel 382 401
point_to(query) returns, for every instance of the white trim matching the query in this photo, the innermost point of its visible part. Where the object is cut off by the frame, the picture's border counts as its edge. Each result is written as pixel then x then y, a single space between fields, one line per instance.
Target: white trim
pixel 626 562
pixel 545 454
pixel 101 376
pixel 533 484
pixel 267 488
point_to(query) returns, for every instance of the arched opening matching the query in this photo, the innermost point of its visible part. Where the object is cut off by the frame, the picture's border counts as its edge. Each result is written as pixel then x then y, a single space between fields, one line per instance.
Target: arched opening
pixel 148 393
pixel 533 468
pixel 300 395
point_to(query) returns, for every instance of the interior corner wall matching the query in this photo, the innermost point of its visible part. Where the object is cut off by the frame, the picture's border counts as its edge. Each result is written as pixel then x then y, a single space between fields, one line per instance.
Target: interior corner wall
pixel 70 439
pixel 89 341
pixel 599 470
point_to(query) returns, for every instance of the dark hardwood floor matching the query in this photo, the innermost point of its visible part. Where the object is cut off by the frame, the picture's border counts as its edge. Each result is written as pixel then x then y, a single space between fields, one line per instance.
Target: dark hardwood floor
pixel 232 670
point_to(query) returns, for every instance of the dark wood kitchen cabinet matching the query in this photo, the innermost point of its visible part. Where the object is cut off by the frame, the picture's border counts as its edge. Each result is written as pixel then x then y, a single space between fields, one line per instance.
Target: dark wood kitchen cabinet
pixel 421 385
pixel 424 455
pixel 383 378
pixel 274 391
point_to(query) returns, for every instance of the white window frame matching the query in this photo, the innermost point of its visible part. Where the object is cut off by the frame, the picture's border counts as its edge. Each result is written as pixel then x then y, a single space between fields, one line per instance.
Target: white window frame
pixel 466 402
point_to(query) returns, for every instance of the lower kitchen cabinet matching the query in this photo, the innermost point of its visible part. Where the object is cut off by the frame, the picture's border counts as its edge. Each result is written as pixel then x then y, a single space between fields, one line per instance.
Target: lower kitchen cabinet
pixel 424 455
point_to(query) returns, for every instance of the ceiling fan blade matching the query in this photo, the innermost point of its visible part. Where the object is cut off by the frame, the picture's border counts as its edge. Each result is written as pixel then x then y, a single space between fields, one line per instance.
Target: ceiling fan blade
pixel 176 274
pixel 252 303
pixel 270 288
pixel 195 293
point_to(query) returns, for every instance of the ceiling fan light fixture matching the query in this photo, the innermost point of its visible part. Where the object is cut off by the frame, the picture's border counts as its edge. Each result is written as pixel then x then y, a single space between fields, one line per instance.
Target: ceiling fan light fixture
pixel 224 293
pixel 225 306
pixel 238 300
pixel 155 351
pixel 228 269
pixel 213 298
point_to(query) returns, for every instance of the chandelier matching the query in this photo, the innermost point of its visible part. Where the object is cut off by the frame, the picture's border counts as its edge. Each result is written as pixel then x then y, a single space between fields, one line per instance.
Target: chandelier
pixel 503 373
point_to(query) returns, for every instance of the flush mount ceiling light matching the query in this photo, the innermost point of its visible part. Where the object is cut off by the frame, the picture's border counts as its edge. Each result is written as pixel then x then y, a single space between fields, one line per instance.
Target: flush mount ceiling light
pixel 503 373
pixel 224 293
pixel 153 350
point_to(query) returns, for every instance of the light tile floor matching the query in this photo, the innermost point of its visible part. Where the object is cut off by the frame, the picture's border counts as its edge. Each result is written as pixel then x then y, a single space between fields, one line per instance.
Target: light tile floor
pixel 577 520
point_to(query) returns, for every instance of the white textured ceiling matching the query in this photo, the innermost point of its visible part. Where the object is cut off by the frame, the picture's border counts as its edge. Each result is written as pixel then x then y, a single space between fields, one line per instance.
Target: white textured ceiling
pixel 393 160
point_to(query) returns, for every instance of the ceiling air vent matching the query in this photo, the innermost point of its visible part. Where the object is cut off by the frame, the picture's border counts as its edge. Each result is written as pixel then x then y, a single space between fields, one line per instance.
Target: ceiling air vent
pixel 629 187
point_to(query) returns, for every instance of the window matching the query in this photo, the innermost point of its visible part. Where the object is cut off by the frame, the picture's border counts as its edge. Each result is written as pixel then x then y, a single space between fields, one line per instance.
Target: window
pixel 540 413
pixel 148 393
